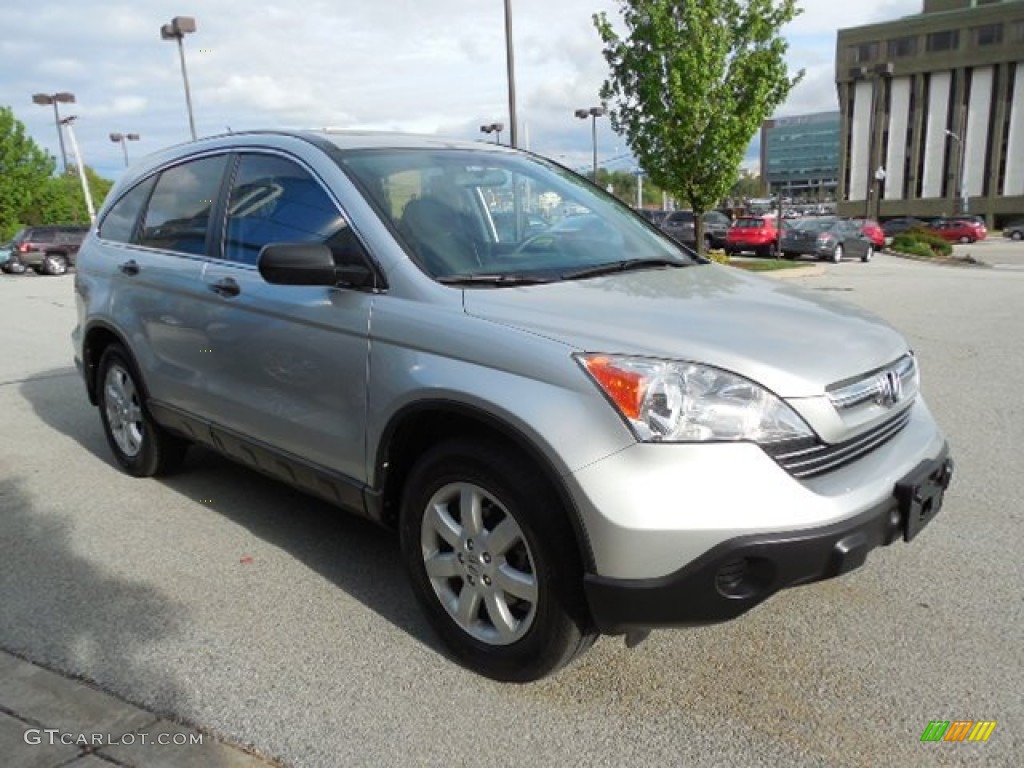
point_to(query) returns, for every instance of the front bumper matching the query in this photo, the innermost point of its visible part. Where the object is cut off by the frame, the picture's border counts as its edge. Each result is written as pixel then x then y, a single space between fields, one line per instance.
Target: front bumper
pixel 738 574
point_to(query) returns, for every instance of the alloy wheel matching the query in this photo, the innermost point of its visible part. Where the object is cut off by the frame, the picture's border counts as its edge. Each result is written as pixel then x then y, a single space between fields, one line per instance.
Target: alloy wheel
pixel 479 564
pixel 124 411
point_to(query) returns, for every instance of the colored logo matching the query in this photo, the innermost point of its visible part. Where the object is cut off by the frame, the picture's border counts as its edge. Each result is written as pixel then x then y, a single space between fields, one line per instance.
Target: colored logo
pixel 958 730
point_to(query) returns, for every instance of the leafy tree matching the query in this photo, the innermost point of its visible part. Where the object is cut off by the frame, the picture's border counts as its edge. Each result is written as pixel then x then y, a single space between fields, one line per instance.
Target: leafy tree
pixel 747 186
pixel 60 200
pixel 24 171
pixel 623 185
pixel 692 83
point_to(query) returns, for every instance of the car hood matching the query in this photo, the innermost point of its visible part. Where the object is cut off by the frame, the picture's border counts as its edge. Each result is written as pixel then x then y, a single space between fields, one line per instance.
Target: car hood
pixel 794 342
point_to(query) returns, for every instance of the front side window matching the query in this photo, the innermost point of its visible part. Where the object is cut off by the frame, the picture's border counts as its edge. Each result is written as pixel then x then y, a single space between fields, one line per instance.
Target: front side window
pixel 119 223
pixel 462 213
pixel 274 200
pixel 179 210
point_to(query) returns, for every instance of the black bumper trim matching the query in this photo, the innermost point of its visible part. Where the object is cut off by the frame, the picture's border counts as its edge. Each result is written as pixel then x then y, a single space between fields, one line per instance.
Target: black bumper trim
pixel 736 575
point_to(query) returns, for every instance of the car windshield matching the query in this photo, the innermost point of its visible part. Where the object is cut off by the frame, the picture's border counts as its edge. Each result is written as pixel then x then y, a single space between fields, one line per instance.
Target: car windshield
pixel 749 223
pixel 472 216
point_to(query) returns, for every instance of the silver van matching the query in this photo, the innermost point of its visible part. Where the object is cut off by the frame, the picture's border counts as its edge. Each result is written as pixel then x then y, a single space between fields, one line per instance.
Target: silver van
pixel 574 425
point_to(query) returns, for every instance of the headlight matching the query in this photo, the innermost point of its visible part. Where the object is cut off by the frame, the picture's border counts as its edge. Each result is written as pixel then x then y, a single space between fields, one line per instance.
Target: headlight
pixel 666 401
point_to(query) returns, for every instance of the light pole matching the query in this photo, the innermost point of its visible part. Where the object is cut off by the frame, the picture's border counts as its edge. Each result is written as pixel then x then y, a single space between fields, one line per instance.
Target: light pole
pixel 593 113
pixel 176 30
pixel 54 98
pixel 121 138
pixel 67 121
pixel 513 135
pixel 961 171
pixel 495 128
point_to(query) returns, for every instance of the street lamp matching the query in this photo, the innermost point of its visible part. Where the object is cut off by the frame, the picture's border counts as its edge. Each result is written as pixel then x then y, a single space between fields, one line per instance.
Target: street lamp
pixel 593 113
pixel 496 128
pixel 66 122
pixel 121 138
pixel 54 98
pixel 961 170
pixel 176 30
pixel 513 137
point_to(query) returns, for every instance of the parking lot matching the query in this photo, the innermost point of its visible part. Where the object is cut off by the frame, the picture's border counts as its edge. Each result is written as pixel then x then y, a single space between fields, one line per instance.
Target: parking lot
pixel 225 600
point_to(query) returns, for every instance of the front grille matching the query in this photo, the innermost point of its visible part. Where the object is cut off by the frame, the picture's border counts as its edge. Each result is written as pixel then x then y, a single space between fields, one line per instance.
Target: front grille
pixel 807 458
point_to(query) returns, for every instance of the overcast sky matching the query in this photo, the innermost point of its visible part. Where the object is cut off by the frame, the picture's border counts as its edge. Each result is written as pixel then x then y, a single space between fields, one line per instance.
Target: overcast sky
pixel 435 66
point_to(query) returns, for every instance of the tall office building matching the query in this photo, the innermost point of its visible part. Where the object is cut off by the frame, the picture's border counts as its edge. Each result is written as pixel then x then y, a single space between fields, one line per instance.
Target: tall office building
pixel 800 155
pixel 932 110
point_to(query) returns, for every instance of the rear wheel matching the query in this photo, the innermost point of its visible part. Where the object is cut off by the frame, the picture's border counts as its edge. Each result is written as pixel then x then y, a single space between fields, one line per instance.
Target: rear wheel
pixel 789 255
pixel 868 253
pixel 55 264
pixel 965 239
pixel 139 444
pixel 837 254
pixel 1016 235
pixel 493 561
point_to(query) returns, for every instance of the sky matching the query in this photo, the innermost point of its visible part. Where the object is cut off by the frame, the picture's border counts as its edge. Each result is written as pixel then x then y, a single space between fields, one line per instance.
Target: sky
pixel 426 66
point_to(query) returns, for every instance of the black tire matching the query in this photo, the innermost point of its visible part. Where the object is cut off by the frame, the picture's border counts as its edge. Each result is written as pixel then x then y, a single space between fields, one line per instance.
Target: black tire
pixel 548 625
pixel 55 264
pixel 789 255
pixel 1017 235
pixel 868 254
pixel 837 254
pixel 770 251
pixel 965 240
pixel 138 443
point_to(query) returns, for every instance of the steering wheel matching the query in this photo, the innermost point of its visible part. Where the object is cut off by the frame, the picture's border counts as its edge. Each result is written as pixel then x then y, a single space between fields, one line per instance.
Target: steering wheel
pixel 542 242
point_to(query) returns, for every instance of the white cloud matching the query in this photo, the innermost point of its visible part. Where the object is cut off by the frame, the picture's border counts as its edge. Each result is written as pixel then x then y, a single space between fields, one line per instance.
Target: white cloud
pixel 420 65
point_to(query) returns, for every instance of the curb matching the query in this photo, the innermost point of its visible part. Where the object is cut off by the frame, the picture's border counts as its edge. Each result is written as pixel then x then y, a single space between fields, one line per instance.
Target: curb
pixel 942 261
pixel 49 720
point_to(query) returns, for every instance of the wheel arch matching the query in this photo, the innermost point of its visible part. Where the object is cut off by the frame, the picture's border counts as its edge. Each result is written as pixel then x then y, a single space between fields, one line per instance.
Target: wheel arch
pixel 96 341
pixel 421 425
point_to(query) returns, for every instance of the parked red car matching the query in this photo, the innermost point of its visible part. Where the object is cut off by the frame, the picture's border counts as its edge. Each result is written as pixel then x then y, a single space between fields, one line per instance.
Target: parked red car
pixel 959 230
pixel 873 230
pixel 759 234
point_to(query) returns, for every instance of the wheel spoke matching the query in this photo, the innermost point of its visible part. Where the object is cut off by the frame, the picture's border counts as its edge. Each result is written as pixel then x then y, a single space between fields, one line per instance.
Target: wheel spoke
pixel 443 525
pixel 501 617
pixel 468 607
pixel 501 539
pixel 516 583
pixel 442 566
pixel 470 502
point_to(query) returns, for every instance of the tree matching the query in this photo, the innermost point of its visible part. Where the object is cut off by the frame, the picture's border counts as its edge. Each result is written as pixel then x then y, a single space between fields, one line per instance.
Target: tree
pixel 24 172
pixel 60 199
pixel 746 186
pixel 691 84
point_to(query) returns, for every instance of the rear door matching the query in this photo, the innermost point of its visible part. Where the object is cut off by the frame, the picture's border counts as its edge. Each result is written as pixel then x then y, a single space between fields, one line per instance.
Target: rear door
pixel 154 249
pixel 284 366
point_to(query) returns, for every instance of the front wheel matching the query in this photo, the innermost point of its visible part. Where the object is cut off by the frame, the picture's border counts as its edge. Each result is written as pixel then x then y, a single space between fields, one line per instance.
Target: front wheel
pixel 868 254
pixel 140 446
pixel 493 561
pixel 1016 235
pixel 837 254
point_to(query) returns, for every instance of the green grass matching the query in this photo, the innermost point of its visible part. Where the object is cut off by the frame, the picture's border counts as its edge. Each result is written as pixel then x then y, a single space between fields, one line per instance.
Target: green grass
pixel 767 265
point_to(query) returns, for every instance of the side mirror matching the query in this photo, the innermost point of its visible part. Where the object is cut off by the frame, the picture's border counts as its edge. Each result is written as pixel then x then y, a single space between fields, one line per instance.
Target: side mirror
pixel 309 264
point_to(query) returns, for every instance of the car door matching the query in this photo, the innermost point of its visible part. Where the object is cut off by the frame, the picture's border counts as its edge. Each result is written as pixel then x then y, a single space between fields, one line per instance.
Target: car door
pixel 154 252
pixel 285 366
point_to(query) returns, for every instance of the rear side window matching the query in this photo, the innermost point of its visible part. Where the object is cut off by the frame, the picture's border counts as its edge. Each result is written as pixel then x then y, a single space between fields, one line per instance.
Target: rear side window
pixel 274 200
pixel 179 211
pixel 42 235
pixel 119 223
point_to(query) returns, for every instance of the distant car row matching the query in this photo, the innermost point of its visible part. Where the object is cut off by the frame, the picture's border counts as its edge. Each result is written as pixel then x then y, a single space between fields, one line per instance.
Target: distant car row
pixel 955 229
pixel 49 250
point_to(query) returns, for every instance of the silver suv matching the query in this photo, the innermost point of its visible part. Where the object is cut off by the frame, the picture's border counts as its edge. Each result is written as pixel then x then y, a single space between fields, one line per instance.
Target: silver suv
pixel 574 426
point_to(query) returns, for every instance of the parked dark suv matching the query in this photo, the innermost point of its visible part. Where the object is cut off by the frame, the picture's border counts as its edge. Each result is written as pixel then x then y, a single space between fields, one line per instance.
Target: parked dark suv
pixel 48 250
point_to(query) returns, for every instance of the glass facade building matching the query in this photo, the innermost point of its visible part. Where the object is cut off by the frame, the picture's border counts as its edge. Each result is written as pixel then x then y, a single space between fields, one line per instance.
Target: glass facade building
pixel 800 155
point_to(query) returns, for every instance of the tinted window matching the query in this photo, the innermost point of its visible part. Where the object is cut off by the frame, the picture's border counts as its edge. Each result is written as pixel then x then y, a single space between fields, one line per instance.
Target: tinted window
pixel 179 210
pixel 681 217
pixel 273 200
pixel 119 223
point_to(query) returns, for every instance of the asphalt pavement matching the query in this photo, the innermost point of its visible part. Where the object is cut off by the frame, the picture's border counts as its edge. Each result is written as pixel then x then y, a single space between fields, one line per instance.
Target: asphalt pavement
pixel 222 600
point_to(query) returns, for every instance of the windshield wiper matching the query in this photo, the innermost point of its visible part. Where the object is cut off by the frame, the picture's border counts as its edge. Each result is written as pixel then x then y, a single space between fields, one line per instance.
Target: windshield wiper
pixel 492 279
pixel 622 266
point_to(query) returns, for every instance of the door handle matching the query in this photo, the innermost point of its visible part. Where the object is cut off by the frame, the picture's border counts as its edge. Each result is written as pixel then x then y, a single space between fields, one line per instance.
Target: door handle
pixel 226 287
pixel 129 267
